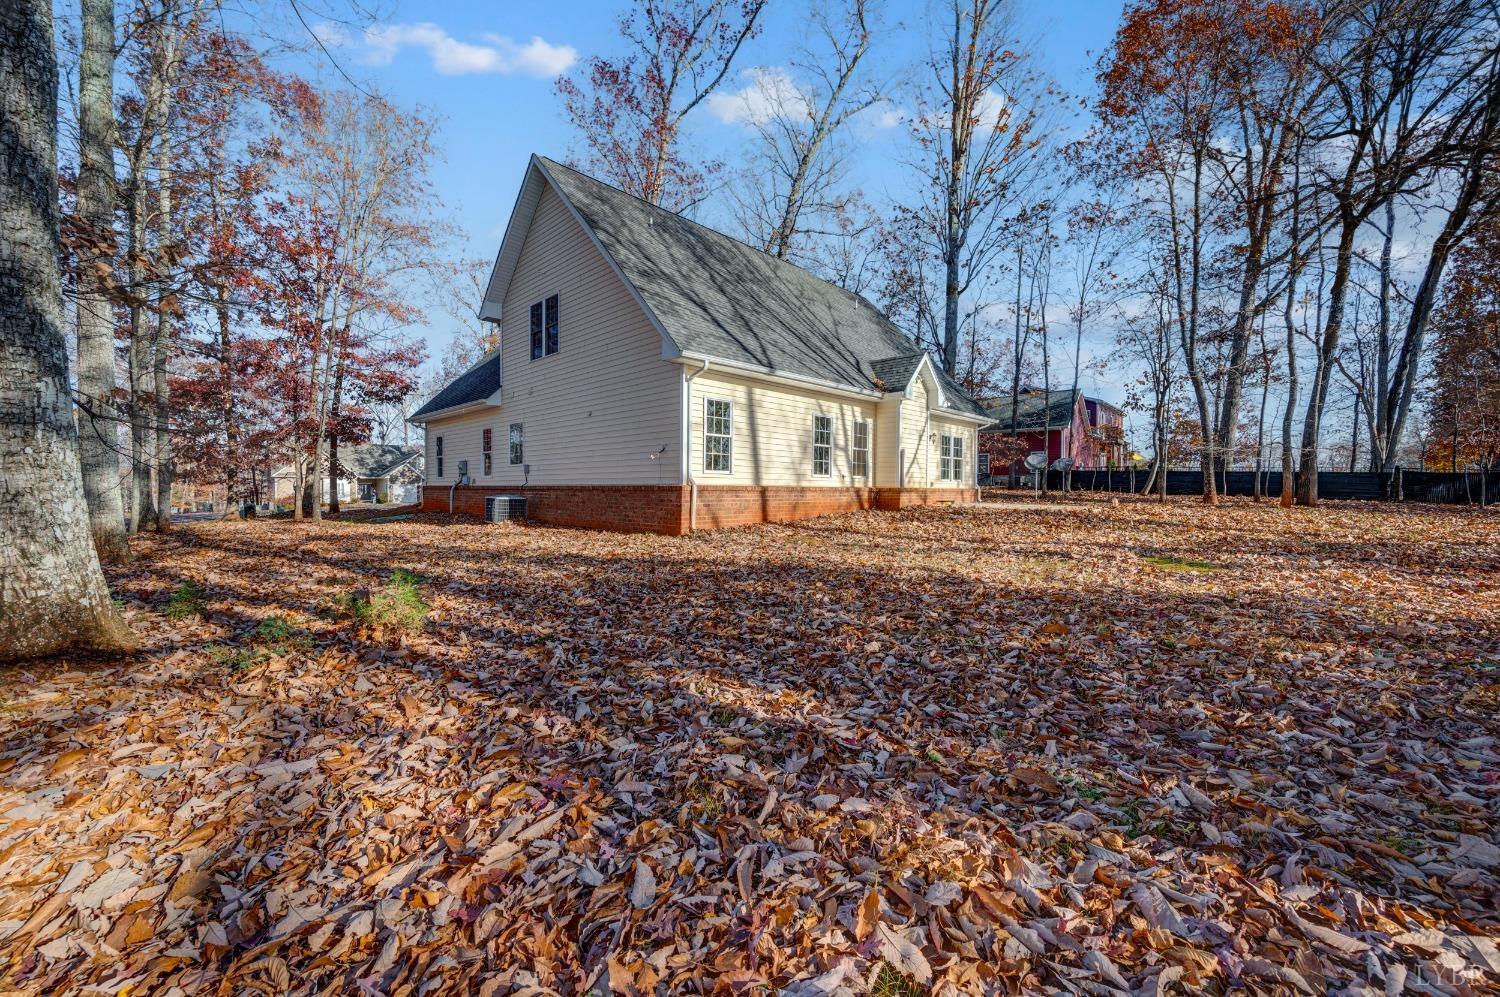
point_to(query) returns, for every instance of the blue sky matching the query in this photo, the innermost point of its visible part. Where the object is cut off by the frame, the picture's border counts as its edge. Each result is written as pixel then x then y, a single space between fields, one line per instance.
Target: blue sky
pixel 486 71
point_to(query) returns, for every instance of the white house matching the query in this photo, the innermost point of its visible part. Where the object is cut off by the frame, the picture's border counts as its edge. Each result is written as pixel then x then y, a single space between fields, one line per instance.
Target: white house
pixel 655 374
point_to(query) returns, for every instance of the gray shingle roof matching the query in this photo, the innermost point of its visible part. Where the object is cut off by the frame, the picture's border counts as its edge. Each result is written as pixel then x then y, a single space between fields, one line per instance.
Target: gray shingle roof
pixel 719 298
pixel 473 385
pixel 375 460
pixel 895 372
pixel 1036 410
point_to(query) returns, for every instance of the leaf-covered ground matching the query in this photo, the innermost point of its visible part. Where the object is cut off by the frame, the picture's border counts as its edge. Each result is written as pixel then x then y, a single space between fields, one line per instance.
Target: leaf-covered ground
pixel 1083 748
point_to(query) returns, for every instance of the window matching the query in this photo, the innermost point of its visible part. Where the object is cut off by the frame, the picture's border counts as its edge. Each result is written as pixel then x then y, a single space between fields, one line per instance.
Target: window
pixel 861 449
pixel 487 467
pixel 718 435
pixel 439 456
pixel 545 326
pixel 984 465
pixel 515 443
pixel 822 444
pixel 951 461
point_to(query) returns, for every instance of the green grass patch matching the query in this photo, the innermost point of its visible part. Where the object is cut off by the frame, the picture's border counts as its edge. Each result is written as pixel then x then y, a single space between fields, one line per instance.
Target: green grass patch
pixel 187 602
pixel 236 659
pixel 1182 564
pixel 889 983
pixel 396 607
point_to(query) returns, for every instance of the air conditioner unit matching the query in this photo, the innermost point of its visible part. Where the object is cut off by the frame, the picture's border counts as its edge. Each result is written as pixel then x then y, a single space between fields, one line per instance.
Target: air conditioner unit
pixel 499 508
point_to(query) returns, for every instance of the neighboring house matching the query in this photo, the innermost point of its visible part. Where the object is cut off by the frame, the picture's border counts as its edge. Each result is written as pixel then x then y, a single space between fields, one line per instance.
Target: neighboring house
pixel 368 472
pixel 1060 423
pixel 654 374
pixel 1107 427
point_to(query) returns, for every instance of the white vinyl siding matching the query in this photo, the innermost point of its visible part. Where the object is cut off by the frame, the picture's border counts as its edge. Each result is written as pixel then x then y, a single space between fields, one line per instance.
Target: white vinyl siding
pixel 605 410
pixel 917 469
pixel 718 436
pixel 772 426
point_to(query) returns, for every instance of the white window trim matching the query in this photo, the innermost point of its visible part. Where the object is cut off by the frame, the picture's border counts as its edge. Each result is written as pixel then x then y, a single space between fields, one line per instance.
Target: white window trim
pixel 945 457
pixel 543 302
pixel 704 461
pixel 487 455
pixel 437 454
pixel 854 449
pixel 815 472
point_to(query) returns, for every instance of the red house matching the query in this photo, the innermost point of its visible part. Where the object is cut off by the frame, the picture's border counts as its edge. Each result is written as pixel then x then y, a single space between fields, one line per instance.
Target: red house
pixel 1059 423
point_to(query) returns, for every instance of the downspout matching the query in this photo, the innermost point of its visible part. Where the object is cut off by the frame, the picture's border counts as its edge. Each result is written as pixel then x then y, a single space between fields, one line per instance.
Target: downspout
pixel 687 460
pixel 450 496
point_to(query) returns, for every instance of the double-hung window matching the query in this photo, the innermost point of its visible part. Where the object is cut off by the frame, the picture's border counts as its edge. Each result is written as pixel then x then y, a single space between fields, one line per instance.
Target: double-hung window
pixel 438 455
pixel 718 435
pixel 487 467
pixel 545 328
pixel 822 454
pixel 861 455
pixel 515 443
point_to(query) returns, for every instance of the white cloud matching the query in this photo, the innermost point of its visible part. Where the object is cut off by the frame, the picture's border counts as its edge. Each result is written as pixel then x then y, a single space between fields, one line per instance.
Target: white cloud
pixel 536 57
pixel 331 35
pixel 768 93
pixel 451 57
pixel 885 116
pixel 992 110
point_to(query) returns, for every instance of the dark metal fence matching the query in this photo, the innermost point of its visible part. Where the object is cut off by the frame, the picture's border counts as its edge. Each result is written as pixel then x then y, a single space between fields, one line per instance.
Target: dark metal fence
pixel 1400 485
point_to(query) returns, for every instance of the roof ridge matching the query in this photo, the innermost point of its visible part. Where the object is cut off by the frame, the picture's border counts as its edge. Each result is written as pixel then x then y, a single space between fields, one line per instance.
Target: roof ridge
pixel 856 299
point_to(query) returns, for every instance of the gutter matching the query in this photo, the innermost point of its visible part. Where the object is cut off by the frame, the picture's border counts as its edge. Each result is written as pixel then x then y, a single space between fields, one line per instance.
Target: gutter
pixel 797 380
pixel 423 418
pixel 687 459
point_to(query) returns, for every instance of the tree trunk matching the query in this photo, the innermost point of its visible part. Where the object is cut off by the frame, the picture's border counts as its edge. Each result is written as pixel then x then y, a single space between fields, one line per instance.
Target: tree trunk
pixel 1477 172
pixel 161 450
pixel 1239 352
pixel 139 356
pixel 333 437
pixel 226 396
pixel 1317 398
pixel 52 594
pixel 99 416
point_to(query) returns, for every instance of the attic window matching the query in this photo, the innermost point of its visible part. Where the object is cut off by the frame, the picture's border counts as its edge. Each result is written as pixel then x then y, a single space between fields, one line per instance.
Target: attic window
pixel 545 328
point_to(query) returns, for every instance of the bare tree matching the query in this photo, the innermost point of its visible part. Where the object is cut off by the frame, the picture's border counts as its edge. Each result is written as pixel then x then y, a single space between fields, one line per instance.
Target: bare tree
pixel 629 112
pixel 981 127
pixel 796 189
pixel 52 592
pixel 1404 78
pixel 1477 150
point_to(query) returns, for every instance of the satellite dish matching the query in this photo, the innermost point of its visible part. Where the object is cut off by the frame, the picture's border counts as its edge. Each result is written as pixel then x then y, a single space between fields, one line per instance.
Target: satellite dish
pixel 1062 464
pixel 1036 461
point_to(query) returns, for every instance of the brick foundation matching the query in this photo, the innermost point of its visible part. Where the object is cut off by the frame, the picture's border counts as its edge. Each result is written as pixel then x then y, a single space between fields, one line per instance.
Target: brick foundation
pixel 666 508
pixel 623 508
